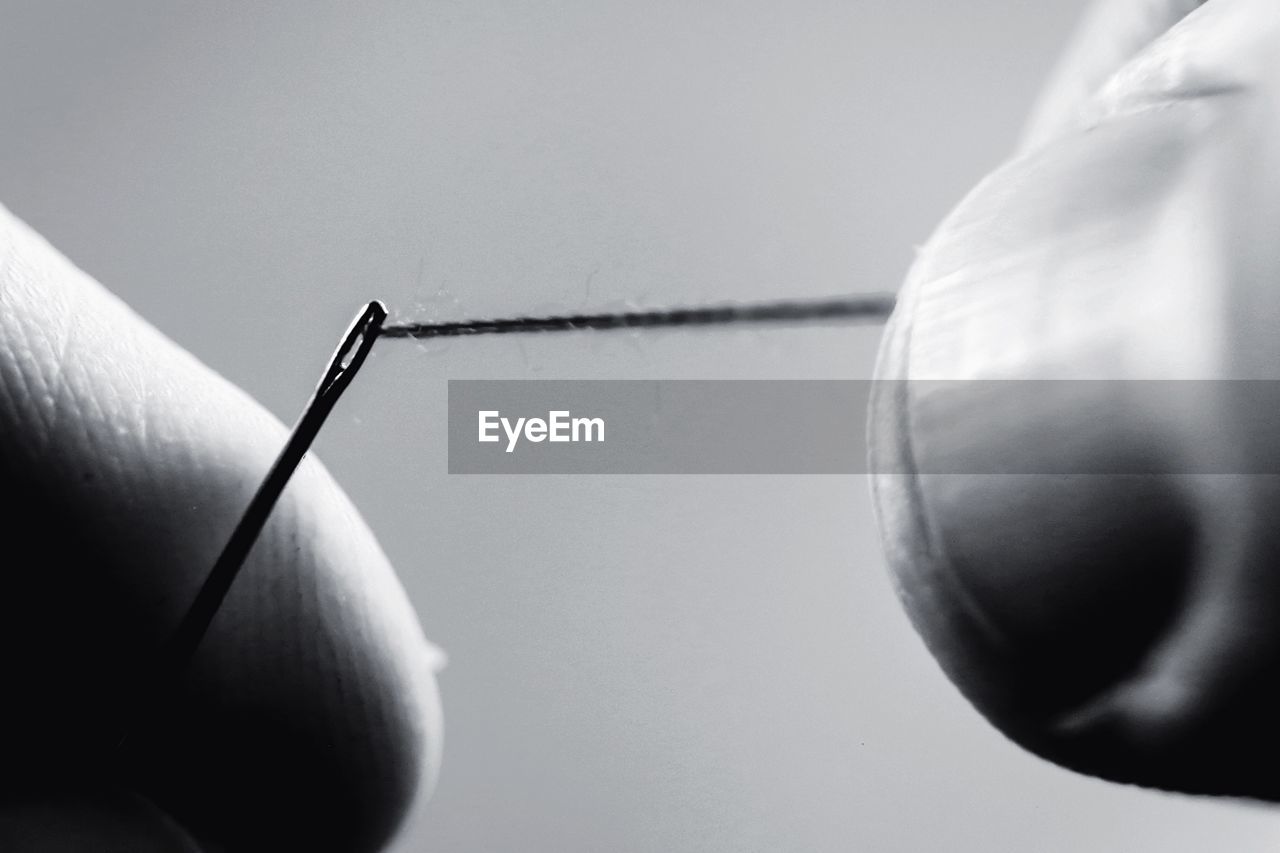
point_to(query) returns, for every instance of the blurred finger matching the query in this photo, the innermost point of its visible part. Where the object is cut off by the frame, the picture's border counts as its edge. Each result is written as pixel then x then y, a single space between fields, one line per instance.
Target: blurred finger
pixel 1120 625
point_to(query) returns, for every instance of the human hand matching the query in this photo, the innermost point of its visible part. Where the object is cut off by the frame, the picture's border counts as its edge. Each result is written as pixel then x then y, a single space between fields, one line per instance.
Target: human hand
pixel 1124 626
pixel 309 718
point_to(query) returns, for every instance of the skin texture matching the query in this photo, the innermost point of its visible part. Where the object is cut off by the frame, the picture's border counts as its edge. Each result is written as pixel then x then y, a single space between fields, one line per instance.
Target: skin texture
pixel 1121 625
pixel 310 717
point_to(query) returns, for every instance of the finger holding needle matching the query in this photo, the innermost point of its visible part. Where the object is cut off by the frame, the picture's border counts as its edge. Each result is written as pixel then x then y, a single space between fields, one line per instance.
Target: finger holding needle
pixel 308 717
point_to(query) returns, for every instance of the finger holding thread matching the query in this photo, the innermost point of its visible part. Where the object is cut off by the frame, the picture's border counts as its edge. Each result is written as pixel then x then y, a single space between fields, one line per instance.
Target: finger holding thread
pixel 1119 625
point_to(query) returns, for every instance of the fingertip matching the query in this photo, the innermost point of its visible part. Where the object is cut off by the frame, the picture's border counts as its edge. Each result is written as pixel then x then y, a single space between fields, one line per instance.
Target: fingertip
pixel 310 717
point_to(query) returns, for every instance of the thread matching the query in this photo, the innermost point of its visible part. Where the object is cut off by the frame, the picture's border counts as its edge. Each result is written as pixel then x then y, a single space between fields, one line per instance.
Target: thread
pixel 158 682
pixel 862 307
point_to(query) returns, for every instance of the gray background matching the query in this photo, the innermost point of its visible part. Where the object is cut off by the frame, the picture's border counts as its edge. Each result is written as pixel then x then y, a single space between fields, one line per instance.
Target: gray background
pixel 637 663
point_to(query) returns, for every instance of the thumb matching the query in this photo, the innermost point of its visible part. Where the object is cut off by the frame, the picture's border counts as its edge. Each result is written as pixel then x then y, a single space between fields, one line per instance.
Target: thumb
pixel 310 712
pixel 1120 625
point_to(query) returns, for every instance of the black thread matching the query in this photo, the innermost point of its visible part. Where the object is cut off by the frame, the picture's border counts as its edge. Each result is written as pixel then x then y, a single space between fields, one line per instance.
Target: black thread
pixel 867 307
pixel 159 682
